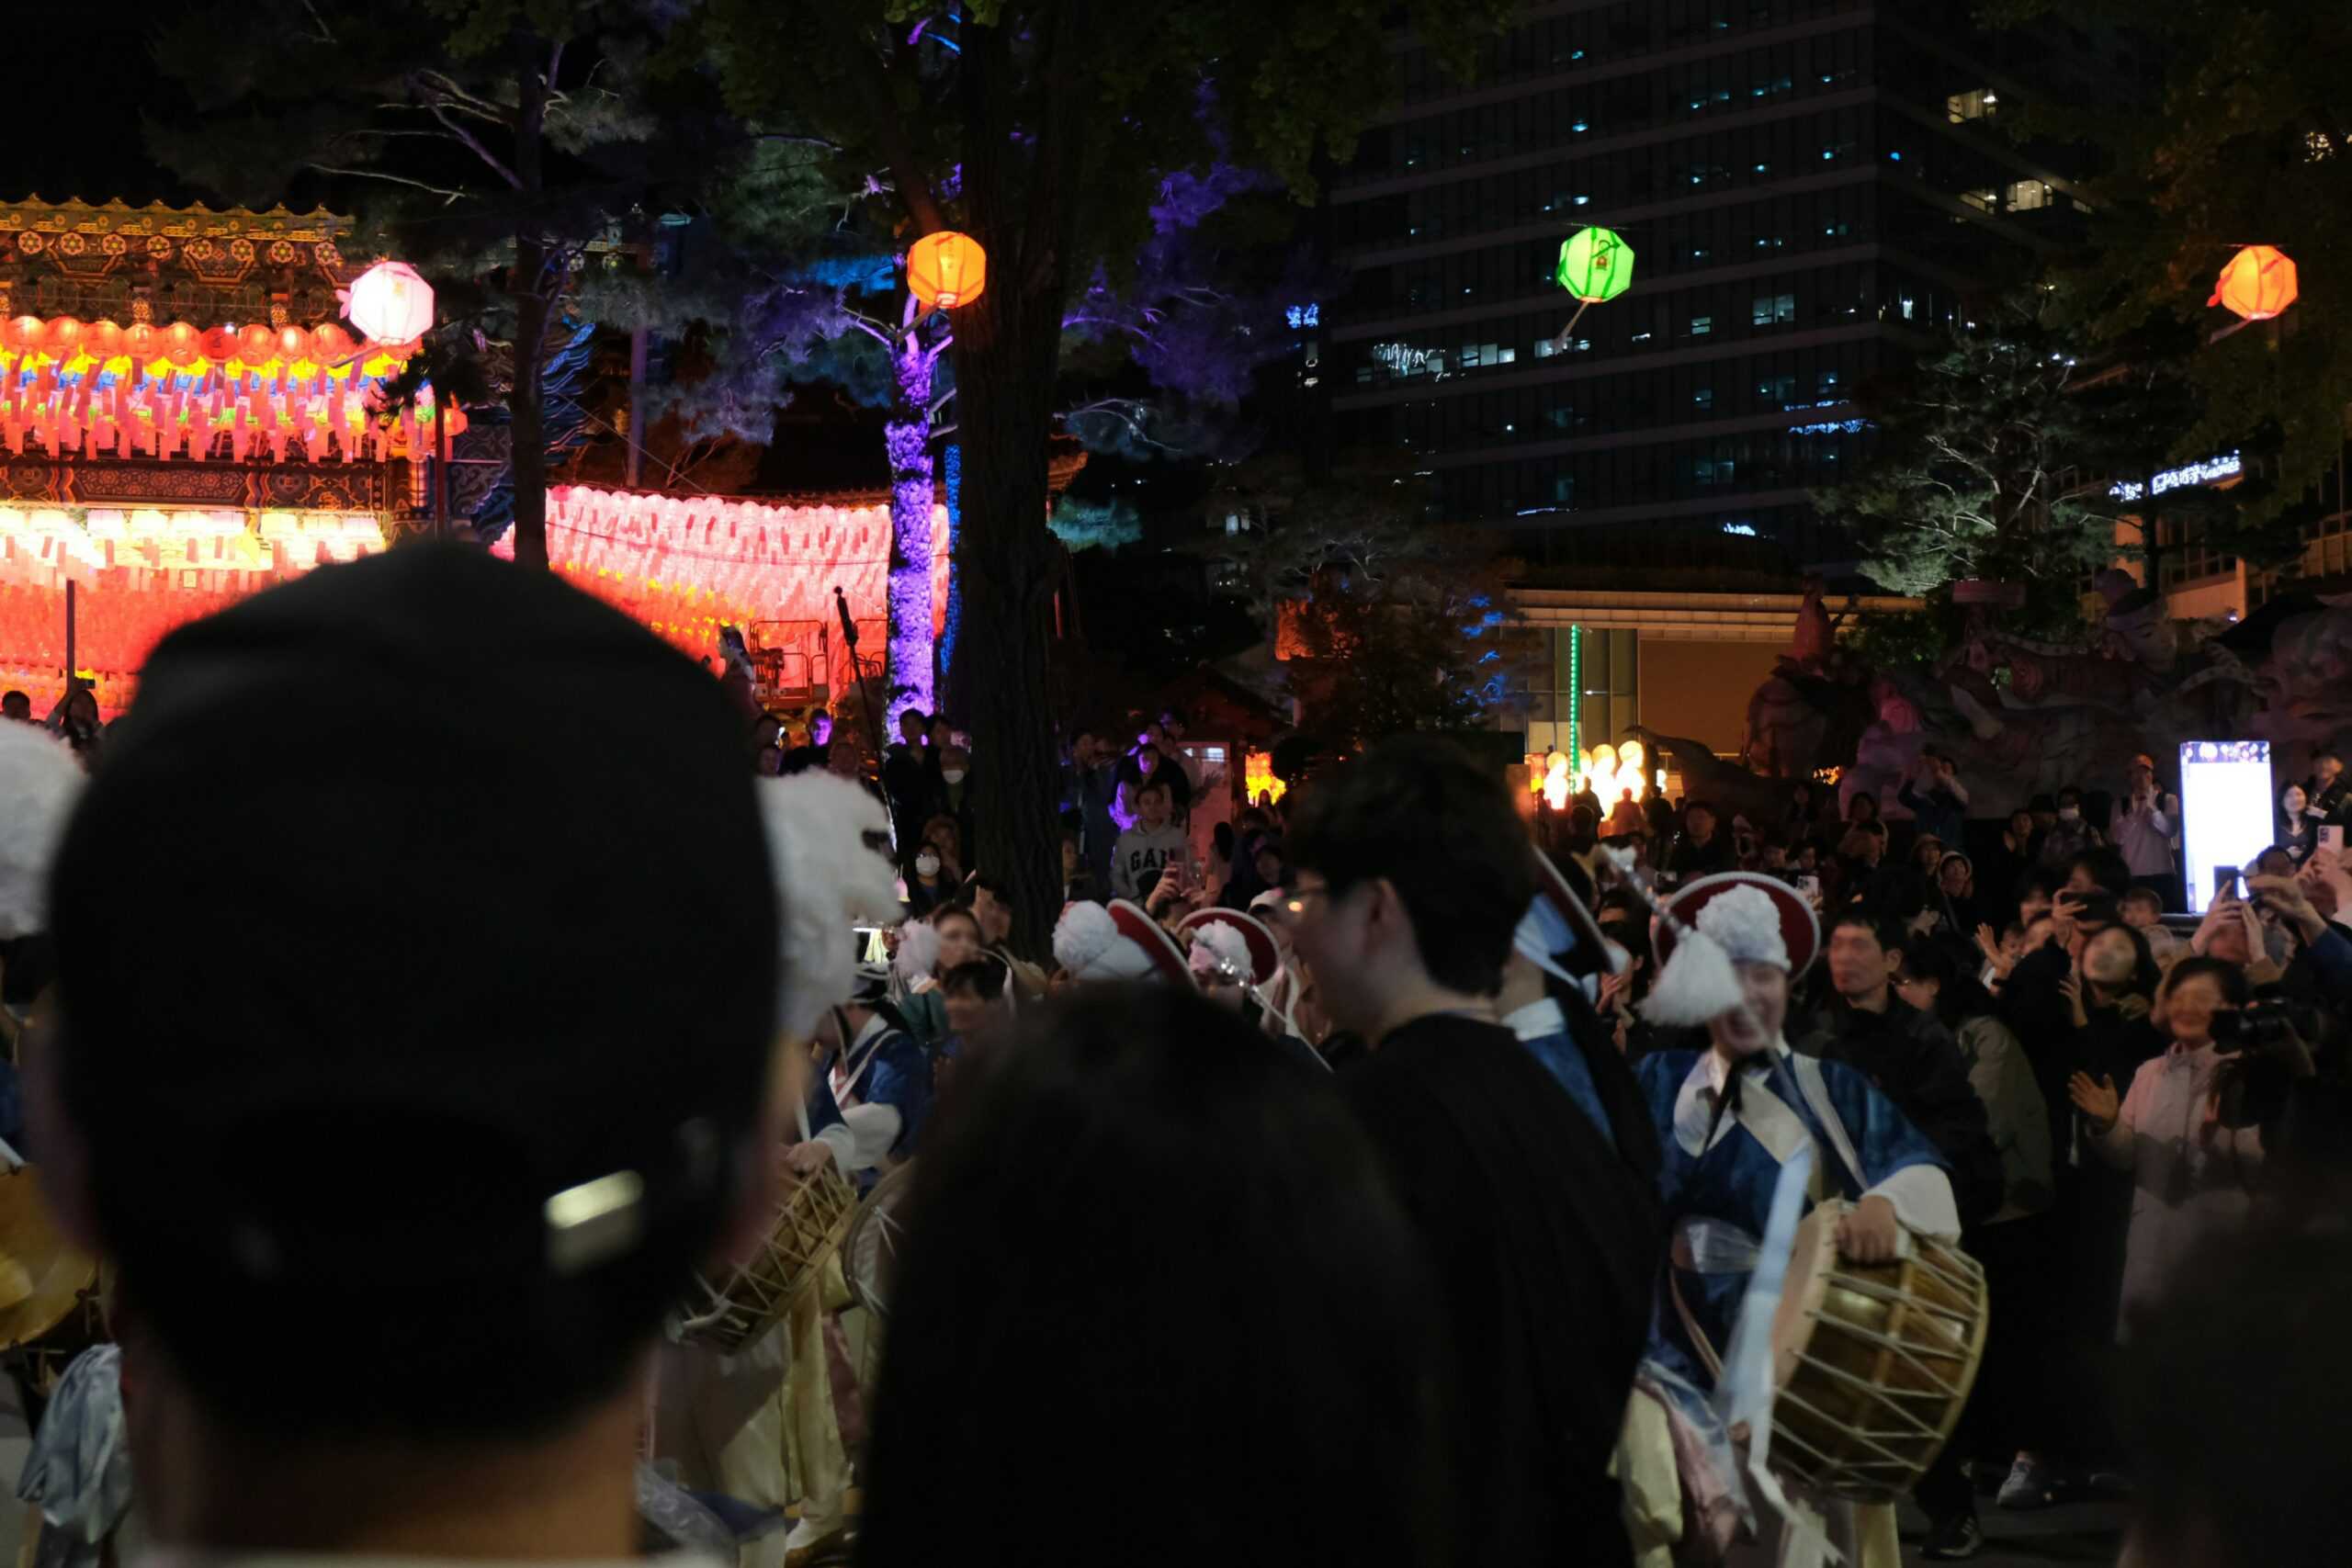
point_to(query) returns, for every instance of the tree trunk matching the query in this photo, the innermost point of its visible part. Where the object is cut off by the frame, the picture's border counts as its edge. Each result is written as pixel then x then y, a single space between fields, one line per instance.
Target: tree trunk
pixel 954 691
pixel 907 437
pixel 533 288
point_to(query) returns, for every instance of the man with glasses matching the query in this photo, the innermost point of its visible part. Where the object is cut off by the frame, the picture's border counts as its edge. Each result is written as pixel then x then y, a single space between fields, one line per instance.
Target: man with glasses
pixel 1412 871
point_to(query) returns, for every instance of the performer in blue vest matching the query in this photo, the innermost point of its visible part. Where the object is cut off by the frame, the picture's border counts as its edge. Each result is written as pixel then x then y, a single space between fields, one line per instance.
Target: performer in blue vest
pixel 1728 1118
pixel 872 1089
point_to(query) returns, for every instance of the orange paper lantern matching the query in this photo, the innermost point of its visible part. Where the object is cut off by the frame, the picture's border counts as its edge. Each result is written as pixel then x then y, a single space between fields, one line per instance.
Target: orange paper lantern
pixel 183 344
pixel 332 342
pixel 21 334
pixel 63 337
pixel 142 341
pixel 947 269
pixel 292 342
pixel 2257 284
pixel 105 339
pixel 255 343
pixel 218 343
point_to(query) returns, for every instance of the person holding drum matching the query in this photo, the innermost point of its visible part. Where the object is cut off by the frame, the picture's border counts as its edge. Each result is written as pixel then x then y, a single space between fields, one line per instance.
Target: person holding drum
pixel 1729 1117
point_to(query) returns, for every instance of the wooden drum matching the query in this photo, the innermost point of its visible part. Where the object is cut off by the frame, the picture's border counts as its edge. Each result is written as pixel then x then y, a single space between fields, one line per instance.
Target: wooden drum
pixel 1873 1361
pixel 808 1228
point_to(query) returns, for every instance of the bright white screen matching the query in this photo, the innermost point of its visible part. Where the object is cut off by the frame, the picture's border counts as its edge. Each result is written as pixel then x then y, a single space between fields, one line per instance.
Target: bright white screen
pixel 2225 807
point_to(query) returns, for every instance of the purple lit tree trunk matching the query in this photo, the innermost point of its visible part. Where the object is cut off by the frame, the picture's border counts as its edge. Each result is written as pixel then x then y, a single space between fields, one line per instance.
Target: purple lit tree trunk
pixel 907 436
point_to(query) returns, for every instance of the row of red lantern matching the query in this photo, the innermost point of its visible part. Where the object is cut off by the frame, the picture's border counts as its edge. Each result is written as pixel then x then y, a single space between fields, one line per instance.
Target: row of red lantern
pixel 155 421
pixel 182 344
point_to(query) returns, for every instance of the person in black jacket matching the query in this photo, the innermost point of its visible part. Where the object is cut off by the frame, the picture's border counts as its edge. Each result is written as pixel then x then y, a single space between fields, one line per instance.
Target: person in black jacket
pixel 1907 1055
pixel 1702 850
pixel 1412 873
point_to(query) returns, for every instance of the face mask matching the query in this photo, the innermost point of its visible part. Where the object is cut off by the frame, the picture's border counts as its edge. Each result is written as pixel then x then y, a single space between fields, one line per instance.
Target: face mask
pixel 2069 813
pixel 952 775
pixel 926 865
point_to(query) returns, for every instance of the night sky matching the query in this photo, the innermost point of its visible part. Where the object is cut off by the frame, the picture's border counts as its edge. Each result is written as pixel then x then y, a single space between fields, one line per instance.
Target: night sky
pixel 81 76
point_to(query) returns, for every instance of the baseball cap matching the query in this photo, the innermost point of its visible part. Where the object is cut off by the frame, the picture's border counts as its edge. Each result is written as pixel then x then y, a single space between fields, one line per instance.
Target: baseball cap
pixel 417 899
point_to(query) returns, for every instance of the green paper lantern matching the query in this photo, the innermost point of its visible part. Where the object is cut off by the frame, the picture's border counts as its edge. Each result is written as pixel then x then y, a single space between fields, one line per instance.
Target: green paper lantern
pixel 1596 265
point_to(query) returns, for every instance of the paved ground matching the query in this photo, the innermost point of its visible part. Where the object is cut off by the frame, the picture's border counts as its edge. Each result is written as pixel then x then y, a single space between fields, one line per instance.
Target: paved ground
pixel 2071 1532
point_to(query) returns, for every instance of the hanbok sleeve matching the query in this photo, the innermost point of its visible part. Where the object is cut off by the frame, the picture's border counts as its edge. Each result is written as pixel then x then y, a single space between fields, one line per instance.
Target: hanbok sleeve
pixel 1899 1162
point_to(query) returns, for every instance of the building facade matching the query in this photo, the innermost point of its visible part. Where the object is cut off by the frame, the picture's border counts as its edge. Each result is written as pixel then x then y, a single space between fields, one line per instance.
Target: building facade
pixel 1809 187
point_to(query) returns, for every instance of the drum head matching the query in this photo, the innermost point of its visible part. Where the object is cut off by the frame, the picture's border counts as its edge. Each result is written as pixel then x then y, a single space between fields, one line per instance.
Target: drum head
pixel 870 1250
pixel 1812 1260
pixel 41 1275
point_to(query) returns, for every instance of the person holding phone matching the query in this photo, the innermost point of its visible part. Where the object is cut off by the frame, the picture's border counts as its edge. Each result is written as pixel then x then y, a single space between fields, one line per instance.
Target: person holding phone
pixel 2142 827
pixel 1154 843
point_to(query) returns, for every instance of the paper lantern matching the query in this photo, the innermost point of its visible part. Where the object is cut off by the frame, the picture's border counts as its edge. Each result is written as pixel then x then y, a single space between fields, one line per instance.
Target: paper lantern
pixel 2257 284
pixel 21 334
pixel 218 343
pixel 142 341
pixel 256 344
pixel 292 342
pixel 103 339
pixel 183 344
pixel 331 343
pixel 1595 265
pixel 63 337
pixel 389 303
pixel 947 269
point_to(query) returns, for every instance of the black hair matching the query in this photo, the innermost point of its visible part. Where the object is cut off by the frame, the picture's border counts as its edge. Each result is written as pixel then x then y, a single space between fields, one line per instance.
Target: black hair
pixel 2043 804
pixel 958 907
pixel 2229 976
pixel 1072 833
pixel 1222 836
pixel 2065 790
pixel 1418 812
pixel 1031 1319
pixel 1152 786
pixel 1951 963
pixel 2231 1394
pixel 1876 825
pixel 16 695
pixel 2110 871
pixel 1857 798
pixel 982 978
pixel 992 886
pixel 1861 917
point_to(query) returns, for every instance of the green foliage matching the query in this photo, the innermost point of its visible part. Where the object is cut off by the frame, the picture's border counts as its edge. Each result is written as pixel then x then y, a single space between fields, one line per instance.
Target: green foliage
pixel 1095 525
pixel 2249 141
pixel 1986 449
pixel 1907 639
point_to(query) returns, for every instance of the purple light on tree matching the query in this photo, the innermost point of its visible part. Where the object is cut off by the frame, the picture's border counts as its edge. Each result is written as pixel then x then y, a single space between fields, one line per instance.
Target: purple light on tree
pixel 906 437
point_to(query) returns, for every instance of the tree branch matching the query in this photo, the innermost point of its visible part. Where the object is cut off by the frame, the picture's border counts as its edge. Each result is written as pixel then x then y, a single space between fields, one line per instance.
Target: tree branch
pixel 513 180
pixel 897 148
pixel 444 193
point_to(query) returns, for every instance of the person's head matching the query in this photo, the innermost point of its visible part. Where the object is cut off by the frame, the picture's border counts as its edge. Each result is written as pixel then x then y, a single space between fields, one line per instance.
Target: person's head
pixel 1862 806
pixel 970 993
pixel 960 938
pixel 2329 764
pixel 1224 841
pixel 369 1136
pixel 2035 894
pixel 1268 861
pixel 16 705
pixel 2293 801
pixel 2118 961
pixel 1699 821
pixel 1412 873
pixel 929 867
pixel 1172 724
pixel 1073 853
pixel 1864 952
pixel 1937 977
pixel 1955 875
pixel 992 907
pixel 1773 853
pixel 2196 989
pixel 944 834
pixel 2140 776
pixel 2231 1395
pixel 2274 861
pixel 820 728
pixel 2070 804
pixel 1807 858
pixel 1151 804
pixel 2142 909
pixel 1927 854
pixel 1047 1362
pixel 2012 940
pixel 2231 943
pixel 1253 819
pixel 954 764
pixel 914 726
pixel 842 761
pixel 2020 827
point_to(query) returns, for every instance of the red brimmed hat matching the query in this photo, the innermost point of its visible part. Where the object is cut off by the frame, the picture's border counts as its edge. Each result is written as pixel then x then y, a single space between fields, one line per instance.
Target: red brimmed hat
pixel 1800 930
pixel 1265 957
pixel 1119 941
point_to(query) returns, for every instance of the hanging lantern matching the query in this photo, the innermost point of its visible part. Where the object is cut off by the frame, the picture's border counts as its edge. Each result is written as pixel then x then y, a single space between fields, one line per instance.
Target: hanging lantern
pixel 183 344
pixel 2257 284
pixel 142 341
pixel 256 344
pixel 1596 265
pixel 947 269
pixel 292 343
pixel 389 303
pixel 332 342
pixel 63 337
pixel 218 343
pixel 21 334
pixel 103 339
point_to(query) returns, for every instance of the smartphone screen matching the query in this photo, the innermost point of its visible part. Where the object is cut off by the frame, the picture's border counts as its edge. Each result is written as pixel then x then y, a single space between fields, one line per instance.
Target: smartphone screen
pixel 2225 882
pixel 2332 838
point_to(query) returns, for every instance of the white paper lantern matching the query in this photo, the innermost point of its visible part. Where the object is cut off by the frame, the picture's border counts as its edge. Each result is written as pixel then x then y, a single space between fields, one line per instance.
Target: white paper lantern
pixel 389 303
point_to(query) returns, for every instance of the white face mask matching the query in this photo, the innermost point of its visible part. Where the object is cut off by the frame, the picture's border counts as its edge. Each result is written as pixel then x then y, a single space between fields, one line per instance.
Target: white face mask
pixel 952 775
pixel 2069 813
pixel 926 865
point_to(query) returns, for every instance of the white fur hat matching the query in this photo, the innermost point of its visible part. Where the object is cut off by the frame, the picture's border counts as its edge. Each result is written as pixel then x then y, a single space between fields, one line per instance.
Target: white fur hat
pixel 1117 942
pixel 830 875
pixel 39 781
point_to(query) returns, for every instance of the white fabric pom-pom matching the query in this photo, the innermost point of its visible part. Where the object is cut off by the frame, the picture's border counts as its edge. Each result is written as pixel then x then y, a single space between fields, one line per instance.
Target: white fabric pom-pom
pixel 1697 985
pixel 39 781
pixel 1220 950
pixel 829 878
pixel 918 950
pixel 1746 924
pixel 1082 935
